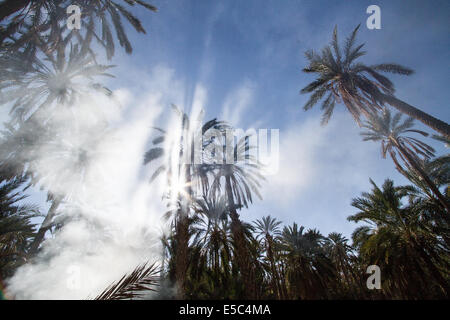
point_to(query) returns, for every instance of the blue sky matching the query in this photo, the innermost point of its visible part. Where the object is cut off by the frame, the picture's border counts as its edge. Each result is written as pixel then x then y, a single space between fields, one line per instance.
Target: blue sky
pixel 242 61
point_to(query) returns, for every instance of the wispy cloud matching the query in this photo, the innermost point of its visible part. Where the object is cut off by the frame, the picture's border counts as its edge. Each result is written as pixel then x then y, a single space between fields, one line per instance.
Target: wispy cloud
pixel 321 169
pixel 112 216
pixel 237 102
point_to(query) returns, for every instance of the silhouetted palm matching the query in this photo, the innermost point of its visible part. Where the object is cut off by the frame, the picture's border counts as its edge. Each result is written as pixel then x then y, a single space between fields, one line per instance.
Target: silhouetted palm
pixel 362 89
pixel 308 270
pixel 185 176
pixel 341 254
pixel 396 238
pixel 214 239
pixel 438 170
pixel 239 179
pixel 268 231
pixel 390 132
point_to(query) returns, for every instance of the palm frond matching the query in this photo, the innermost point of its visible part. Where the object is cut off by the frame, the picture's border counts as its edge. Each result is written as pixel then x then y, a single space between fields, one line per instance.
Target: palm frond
pixel 142 280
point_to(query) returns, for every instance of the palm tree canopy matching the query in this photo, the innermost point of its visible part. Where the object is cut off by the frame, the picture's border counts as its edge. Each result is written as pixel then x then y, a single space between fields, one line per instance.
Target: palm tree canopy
pixel 342 79
pixel 267 226
pixel 390 131
pixel 28 18
pixel 36 85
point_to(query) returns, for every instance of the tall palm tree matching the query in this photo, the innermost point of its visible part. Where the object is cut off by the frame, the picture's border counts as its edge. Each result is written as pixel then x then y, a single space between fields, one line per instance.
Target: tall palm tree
pixel 185 177
pixel 214 241
pixel 341 254
pixel 239 180
pixel 362 89
pixel 213 229
pixel 399 241
pixel 34 89
pixel 267 229
pixel 390 132
pixel 309 272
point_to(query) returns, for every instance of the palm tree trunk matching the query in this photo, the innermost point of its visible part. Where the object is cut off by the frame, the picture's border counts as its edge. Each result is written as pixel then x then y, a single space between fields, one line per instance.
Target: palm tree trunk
pixel 430 121
pixel 241 251
pixel 181 264
pixel 282 272
pixel 182 236
pixel 275 277
pixel 424 176
pixel 46 224
pixel 8 7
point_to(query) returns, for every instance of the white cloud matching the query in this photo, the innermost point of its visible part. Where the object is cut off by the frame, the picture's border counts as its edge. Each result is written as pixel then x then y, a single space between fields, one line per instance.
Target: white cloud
pixel 114 214
pixel 237 102
pixel 321 170
pixel 199 101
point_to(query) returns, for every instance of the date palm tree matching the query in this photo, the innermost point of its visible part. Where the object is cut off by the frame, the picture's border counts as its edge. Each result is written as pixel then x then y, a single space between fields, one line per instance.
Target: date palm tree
pixel 239 179
pixel 268 231
pixel 184 178
pixel 308 271
pixel 390 131
pixel 362 89
pixel 212 231
pixel 399 241
pixel 214 241
pixel 438 170
pixel 341 254
pixel 34 90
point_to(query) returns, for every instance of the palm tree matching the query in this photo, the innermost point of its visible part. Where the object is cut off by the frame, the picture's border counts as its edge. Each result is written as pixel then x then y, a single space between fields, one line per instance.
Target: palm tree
pixel 399 241
pixel 267 228
pixel 184 178
pixel 31 18
pixel 362 89
pixel 213 241
pixel 390 131
pixel 35 87
pixel 28 150
pixel 212 231
pixel 239 179
pixel 16 227
pixel 341 254
pixel 422 198
pixel 438 170
pixel 308 271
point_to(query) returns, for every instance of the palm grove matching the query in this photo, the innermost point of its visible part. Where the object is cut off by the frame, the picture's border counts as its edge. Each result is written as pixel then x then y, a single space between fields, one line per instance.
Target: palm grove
pixel 211 252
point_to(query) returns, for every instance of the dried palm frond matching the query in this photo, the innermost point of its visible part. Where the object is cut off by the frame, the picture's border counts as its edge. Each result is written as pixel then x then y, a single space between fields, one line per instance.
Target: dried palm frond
pixel 143 278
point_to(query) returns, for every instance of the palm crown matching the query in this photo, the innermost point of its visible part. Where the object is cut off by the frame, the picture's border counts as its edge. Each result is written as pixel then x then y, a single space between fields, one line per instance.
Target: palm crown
pixel 342 79
pixel 35 86
pixel 361 88
pixel 391 132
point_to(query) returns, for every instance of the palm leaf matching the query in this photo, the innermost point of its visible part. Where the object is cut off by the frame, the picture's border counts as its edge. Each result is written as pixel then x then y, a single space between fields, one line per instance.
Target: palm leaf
pixel 143 279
